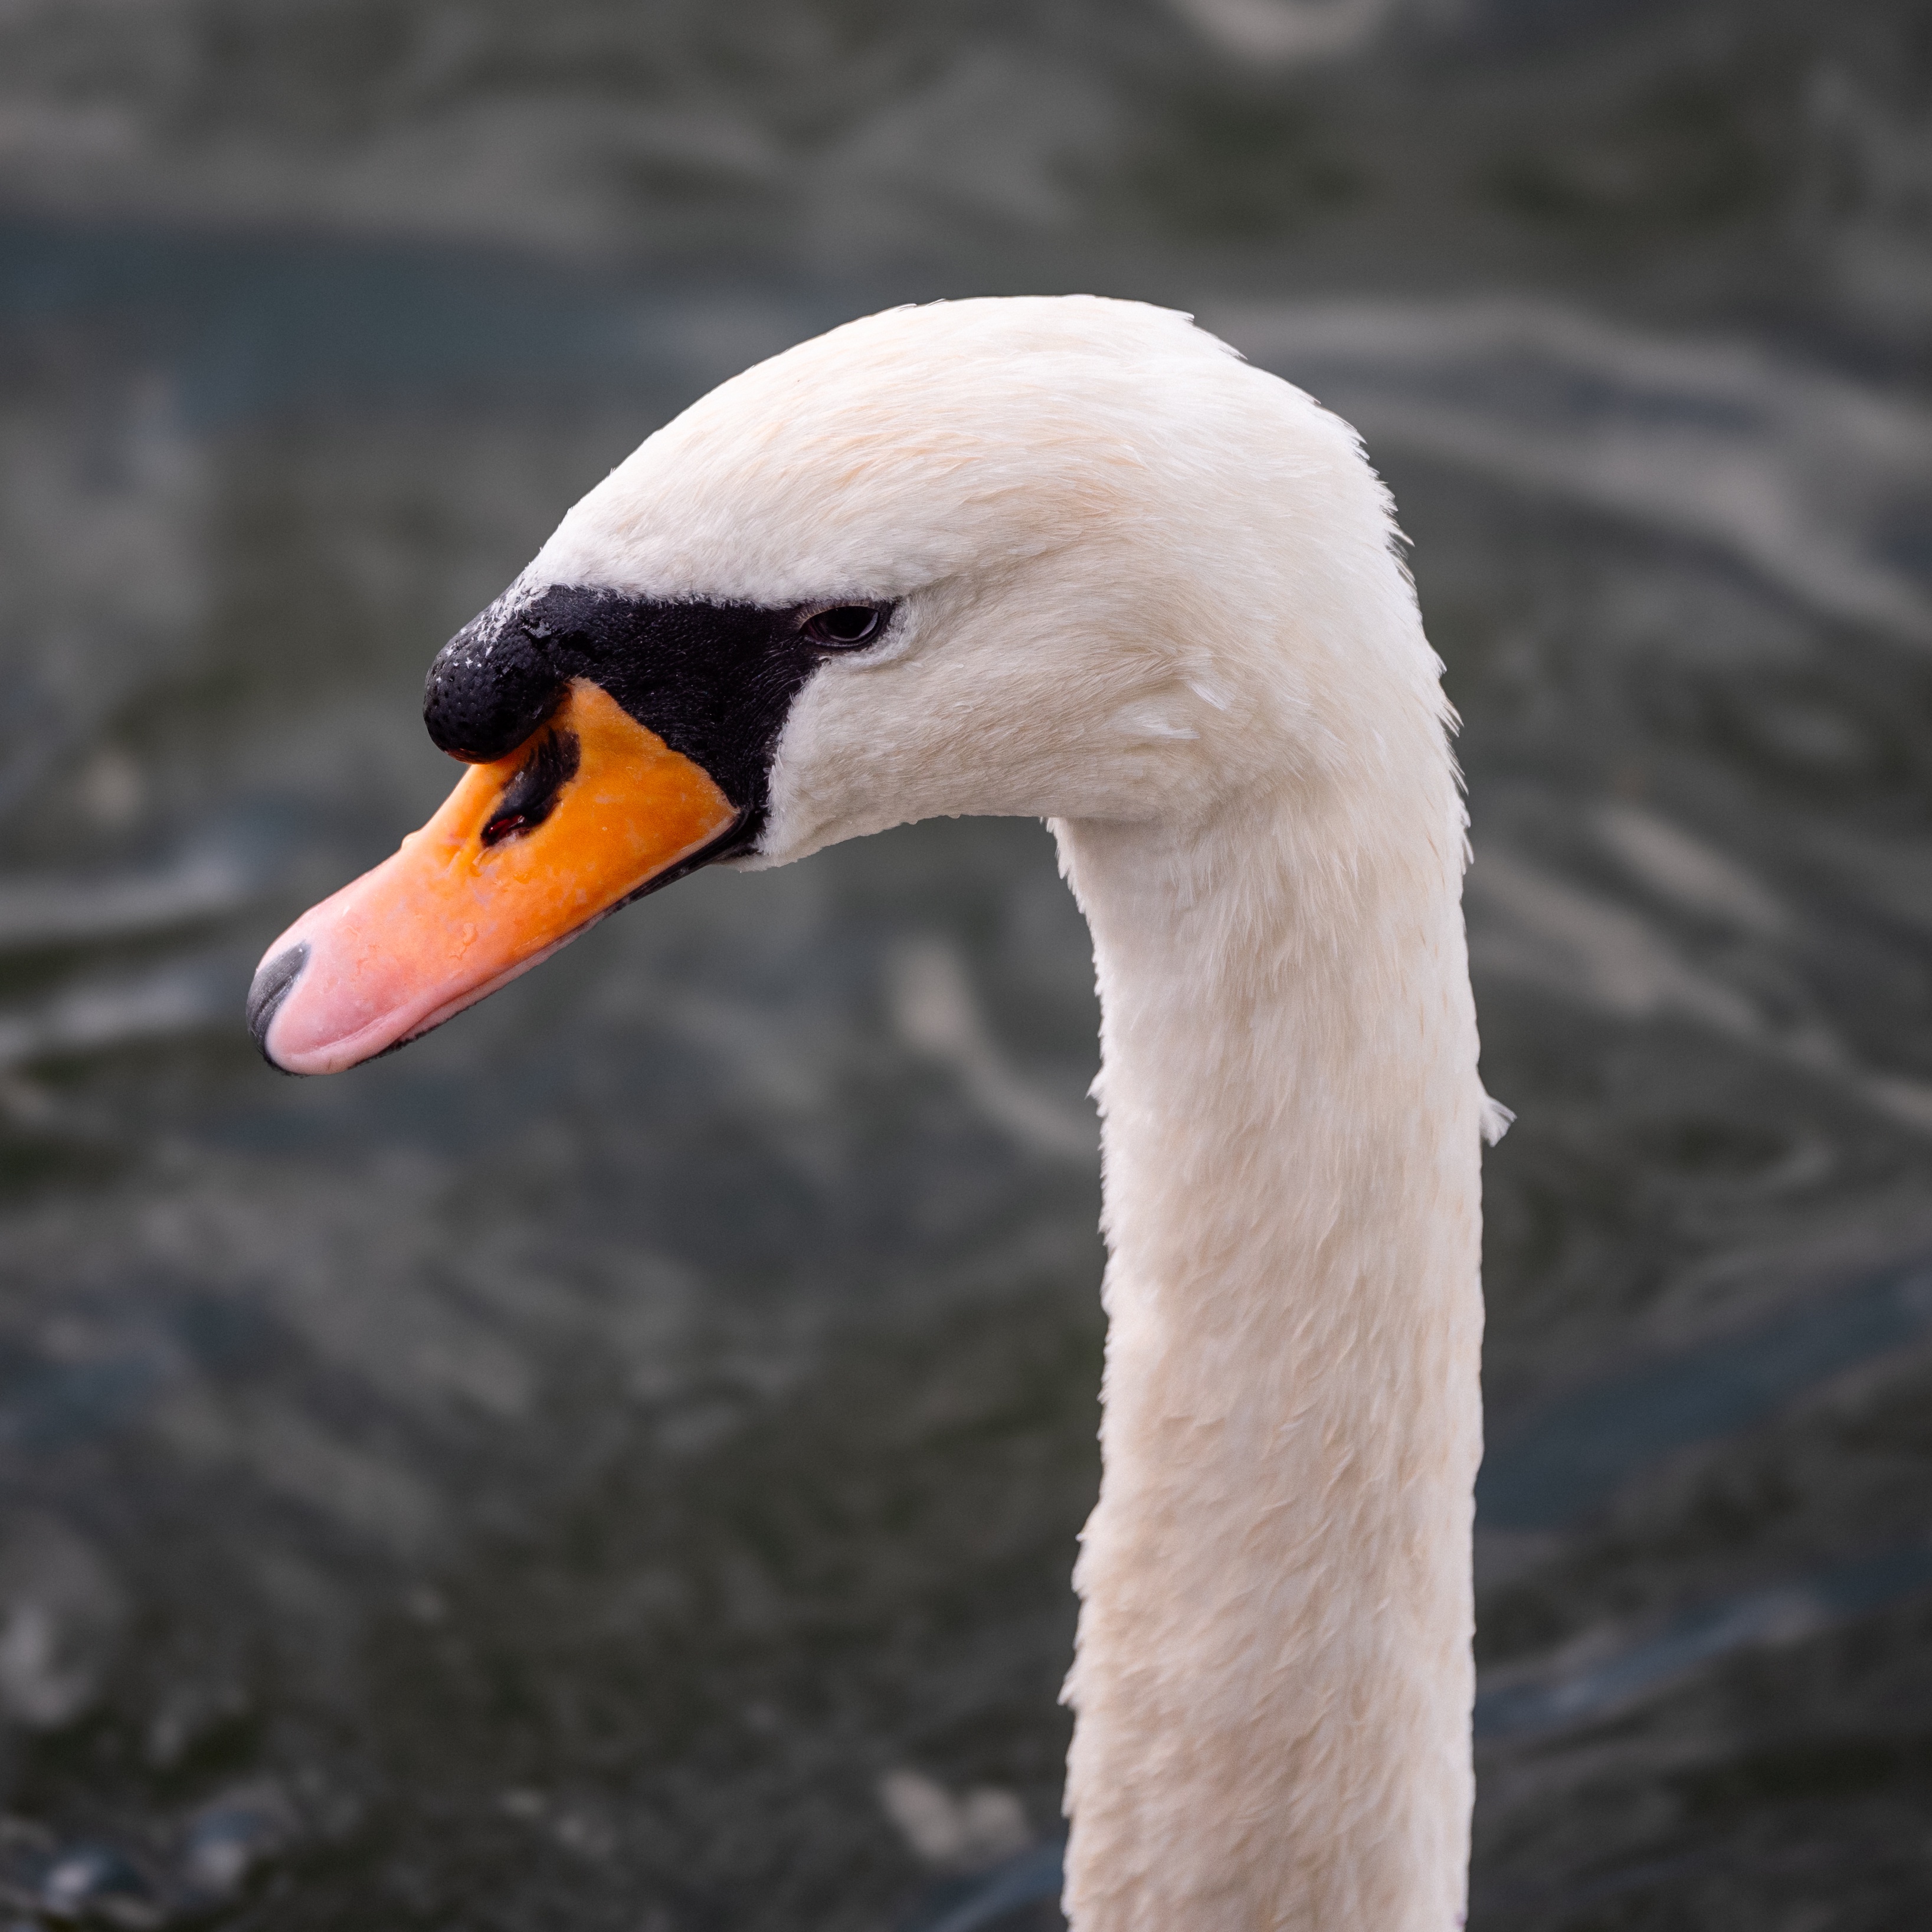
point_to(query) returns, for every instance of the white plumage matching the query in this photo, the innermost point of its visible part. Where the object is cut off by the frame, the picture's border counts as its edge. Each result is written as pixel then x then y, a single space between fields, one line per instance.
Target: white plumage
pixel 1151 594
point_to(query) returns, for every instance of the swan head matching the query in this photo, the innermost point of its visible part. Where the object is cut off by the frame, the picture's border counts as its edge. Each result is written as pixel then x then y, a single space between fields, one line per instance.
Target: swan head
pixel 1059 557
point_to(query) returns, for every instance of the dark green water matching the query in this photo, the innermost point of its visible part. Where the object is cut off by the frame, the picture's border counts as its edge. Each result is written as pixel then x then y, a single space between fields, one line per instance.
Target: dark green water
pixel 557 1477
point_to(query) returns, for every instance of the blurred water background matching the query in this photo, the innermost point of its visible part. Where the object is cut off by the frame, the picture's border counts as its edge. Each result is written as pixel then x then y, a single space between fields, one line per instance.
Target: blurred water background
pixel 616 1465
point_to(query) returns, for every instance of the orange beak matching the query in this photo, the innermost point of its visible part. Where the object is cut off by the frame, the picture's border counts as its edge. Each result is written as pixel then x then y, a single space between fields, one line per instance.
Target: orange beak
pixel 525 854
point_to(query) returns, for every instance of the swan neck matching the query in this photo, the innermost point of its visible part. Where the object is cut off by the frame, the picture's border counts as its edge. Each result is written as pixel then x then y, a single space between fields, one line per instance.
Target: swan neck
pixel 1273 1680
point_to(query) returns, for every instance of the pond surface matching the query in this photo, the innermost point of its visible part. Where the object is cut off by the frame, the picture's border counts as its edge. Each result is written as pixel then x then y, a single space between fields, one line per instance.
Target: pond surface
pixel 616 1465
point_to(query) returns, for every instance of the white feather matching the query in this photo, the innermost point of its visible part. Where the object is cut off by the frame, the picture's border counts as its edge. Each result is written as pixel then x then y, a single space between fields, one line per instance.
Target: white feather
pixel 1151 593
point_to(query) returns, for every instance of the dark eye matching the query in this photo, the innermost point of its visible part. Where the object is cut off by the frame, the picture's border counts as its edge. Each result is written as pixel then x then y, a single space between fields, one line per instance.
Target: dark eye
pixel 846 627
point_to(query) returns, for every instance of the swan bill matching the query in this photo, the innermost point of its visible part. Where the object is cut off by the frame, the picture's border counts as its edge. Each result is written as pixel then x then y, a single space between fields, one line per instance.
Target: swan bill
pixel 528 851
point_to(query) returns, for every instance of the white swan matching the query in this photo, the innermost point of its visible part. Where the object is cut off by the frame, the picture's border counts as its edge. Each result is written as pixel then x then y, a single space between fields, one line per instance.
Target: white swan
pixel 1073 559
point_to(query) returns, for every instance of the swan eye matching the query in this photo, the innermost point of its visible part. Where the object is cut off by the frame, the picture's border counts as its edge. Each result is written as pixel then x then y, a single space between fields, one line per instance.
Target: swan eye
pixel 846 627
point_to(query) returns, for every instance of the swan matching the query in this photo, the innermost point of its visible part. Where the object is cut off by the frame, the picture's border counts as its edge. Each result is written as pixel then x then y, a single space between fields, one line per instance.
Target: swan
pixel 1072 558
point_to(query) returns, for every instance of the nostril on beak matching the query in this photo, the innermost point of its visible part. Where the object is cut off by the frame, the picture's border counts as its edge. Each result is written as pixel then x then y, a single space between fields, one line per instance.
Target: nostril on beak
pixel 273 978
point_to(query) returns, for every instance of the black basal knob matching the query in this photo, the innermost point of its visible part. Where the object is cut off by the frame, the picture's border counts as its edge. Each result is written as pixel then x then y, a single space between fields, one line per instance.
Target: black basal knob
pixel 491 685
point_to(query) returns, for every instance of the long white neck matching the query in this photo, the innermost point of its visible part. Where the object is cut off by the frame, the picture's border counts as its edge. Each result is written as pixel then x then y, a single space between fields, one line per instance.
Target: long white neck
pixel 1273 1678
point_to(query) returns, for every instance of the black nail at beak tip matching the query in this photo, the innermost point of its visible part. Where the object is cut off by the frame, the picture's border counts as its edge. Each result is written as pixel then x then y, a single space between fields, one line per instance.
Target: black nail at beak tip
pixel 271 987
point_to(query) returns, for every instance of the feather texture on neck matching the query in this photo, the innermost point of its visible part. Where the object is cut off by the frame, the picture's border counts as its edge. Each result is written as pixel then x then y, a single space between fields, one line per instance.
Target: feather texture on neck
pixel 1273 1677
